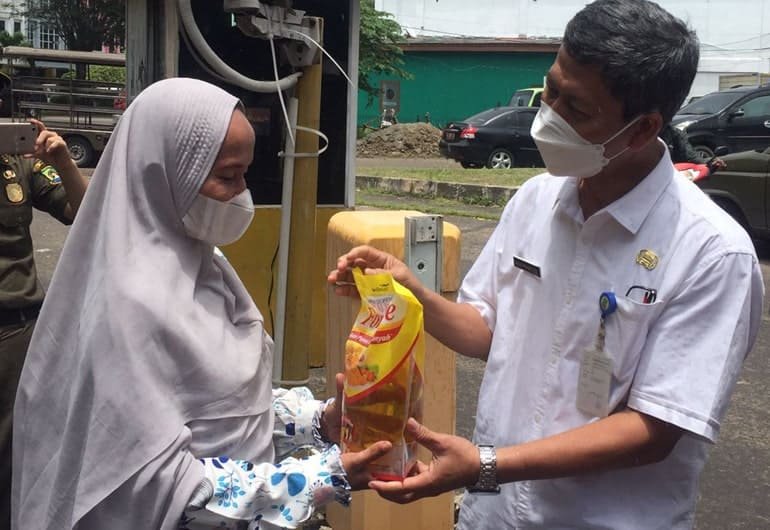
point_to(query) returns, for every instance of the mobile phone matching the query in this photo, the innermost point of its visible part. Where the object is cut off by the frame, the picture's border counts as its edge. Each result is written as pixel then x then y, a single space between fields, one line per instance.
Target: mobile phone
pixel 17 138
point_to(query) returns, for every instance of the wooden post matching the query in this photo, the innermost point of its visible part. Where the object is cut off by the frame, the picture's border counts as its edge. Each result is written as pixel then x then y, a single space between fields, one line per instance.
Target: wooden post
pixel 385 230
pixel 299 299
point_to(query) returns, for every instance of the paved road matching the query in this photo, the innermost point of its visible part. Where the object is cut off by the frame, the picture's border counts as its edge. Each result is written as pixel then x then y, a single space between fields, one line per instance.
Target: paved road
pixel 735 491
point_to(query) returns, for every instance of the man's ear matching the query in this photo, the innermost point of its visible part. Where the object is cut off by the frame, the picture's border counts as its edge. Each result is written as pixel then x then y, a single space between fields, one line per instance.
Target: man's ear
pixel 647 129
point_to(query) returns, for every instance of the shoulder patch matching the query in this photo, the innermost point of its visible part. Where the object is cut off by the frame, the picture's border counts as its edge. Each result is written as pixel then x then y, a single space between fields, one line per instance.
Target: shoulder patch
pixel 50 173
pixel 39 164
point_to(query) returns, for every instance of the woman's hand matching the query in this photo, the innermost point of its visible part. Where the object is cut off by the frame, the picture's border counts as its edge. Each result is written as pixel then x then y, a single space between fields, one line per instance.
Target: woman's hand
pixel 331 419
pixel 355 464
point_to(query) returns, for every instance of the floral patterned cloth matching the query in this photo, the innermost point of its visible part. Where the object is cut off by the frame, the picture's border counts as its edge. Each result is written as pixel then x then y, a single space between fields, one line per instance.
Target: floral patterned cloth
pixel 242 495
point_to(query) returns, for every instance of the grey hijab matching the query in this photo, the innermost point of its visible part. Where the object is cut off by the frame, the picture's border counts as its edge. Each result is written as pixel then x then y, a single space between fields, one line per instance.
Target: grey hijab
pixel 143 329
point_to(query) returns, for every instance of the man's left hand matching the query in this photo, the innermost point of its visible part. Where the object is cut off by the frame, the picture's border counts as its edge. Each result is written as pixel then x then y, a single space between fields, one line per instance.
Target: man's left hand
pixel 50 147
pixel 455 464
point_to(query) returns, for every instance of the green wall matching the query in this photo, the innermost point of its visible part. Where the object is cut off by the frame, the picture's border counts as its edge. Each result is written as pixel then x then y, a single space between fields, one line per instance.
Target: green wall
pixel 455 85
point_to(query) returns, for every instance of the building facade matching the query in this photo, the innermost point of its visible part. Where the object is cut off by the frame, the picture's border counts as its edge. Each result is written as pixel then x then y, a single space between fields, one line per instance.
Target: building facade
pixel 733 33
pixel 38 34
pixel 454 78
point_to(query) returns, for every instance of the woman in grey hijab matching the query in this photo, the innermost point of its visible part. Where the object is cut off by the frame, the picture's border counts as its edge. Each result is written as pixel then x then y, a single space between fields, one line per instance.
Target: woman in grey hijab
pixel 145 401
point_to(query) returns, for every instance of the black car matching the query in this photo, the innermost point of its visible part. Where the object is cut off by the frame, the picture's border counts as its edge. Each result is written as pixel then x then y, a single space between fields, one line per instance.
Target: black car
pixel 738 118
pixel 497 138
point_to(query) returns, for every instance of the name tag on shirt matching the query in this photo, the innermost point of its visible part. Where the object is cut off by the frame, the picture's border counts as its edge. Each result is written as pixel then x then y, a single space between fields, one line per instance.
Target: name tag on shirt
pixel 526 266
pixel 593 396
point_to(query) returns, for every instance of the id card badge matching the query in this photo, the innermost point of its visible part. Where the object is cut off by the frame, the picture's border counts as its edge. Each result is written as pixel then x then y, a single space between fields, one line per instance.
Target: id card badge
pixel 593 395
pixel 594 383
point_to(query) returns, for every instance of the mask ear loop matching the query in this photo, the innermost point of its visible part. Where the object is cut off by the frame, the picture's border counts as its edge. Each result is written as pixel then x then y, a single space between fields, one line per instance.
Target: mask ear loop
pixel 621 131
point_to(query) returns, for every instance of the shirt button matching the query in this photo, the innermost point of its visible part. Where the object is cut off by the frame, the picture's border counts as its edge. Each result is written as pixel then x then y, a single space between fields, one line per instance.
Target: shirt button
pixel 538 418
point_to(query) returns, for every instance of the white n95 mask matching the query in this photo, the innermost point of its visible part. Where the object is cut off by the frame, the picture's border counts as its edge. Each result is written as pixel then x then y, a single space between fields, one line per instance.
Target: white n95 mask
pixel 217 222
pixel 564 151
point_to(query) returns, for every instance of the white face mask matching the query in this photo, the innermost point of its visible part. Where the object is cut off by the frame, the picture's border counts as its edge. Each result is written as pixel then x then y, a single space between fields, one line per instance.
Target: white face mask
pixel 564 151
pixel 217 222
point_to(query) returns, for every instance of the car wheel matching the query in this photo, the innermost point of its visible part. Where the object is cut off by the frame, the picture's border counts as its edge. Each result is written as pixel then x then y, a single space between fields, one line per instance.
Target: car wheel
pixel 80 150
pixel 705 152
pixel 500 159
pixel 732 209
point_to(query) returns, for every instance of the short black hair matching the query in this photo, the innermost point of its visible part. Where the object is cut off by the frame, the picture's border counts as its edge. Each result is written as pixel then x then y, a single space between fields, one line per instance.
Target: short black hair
pixel 647 57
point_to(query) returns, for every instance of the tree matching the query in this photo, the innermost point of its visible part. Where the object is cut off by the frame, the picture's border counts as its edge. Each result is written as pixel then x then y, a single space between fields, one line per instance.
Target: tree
pixel 380 52
pixel 83 25
pixel 17 39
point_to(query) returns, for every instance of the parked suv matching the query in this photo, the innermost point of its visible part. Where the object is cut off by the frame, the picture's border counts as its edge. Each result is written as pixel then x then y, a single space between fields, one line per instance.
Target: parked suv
pixel 738 118
pixel 742 190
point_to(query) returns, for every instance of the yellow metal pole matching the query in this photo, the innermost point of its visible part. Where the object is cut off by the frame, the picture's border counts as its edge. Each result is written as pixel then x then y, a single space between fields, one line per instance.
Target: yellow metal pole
pixel 299 286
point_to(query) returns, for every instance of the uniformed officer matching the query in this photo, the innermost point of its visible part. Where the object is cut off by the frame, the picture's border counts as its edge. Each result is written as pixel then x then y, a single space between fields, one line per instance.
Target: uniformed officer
pixel 48 180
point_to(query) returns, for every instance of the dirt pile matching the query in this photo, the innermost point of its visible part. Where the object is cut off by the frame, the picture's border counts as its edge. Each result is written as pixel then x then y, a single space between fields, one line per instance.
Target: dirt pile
pixel 403 140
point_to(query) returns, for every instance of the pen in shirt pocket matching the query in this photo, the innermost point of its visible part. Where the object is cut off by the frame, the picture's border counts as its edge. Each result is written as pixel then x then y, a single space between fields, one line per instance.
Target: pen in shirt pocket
pixel 641 294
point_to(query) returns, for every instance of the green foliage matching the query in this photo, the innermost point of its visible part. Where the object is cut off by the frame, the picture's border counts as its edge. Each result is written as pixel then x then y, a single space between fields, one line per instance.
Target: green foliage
pixel 83 26
pixel 108 74
pixel 17 39
pixel 379 48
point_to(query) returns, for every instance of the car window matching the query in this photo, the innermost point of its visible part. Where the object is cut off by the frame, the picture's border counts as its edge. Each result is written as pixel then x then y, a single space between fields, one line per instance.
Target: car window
pixel 525 119
pixel 503 120
pixel 758 107
pixel 483 117
pixel 711 103
pixel 536 101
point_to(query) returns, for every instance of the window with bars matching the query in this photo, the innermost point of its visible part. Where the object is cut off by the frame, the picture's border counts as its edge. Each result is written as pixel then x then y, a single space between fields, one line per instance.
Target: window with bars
pixel 2 25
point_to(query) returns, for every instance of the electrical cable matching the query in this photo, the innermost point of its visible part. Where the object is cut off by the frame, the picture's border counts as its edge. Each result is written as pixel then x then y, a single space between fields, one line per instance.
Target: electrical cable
pixel 270 289
pixel 311 39
pixel 308 155
pixel 233 77
pixel 271 38
pixel 197 58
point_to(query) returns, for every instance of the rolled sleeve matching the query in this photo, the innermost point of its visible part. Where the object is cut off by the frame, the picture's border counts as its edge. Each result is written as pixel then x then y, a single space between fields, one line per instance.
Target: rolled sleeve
pixel 294 410
pixel 480 285
pixel 694 353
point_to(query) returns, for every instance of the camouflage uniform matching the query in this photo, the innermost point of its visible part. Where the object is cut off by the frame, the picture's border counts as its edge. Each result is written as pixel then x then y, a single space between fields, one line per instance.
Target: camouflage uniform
pixel 24 184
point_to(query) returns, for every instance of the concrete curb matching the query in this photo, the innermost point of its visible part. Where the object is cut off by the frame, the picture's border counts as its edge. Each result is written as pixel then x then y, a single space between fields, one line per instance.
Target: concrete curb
pixel 455 191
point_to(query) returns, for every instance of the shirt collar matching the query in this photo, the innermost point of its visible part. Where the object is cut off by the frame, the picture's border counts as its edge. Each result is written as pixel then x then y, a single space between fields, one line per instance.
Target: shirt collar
pixel 632 209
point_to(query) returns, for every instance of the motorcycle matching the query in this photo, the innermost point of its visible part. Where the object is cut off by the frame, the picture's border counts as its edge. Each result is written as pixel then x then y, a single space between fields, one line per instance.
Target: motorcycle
pixel 698 171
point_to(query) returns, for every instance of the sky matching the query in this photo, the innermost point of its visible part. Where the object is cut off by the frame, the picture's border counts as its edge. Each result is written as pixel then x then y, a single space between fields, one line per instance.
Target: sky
pixel 736 25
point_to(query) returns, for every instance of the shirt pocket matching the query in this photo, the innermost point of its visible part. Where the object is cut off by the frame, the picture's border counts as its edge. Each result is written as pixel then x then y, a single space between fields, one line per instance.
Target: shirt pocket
pixel 15 215
pixel 626 333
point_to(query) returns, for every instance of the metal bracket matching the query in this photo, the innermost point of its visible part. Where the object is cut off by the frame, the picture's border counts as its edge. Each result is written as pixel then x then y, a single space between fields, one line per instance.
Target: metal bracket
pixel 251 17
pixel 424 248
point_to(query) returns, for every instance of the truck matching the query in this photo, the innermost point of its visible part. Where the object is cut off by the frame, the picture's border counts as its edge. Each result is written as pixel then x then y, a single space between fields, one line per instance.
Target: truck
pixel 54 86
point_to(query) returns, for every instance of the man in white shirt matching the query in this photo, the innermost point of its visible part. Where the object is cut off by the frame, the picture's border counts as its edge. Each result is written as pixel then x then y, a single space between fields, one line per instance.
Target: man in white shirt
pixel 614 304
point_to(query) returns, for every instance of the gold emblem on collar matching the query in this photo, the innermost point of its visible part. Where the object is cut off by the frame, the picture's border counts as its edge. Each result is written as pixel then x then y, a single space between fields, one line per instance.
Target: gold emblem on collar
pixel 15 192
pixel 5 159
pixel 647 259
pixel 9 174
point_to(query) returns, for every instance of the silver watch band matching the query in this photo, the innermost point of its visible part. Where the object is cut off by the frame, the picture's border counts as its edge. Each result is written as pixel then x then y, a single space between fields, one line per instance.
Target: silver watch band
pixel 487 482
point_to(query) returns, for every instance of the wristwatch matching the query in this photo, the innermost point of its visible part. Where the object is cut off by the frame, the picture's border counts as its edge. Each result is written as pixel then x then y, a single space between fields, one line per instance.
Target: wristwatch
pixel 487 482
